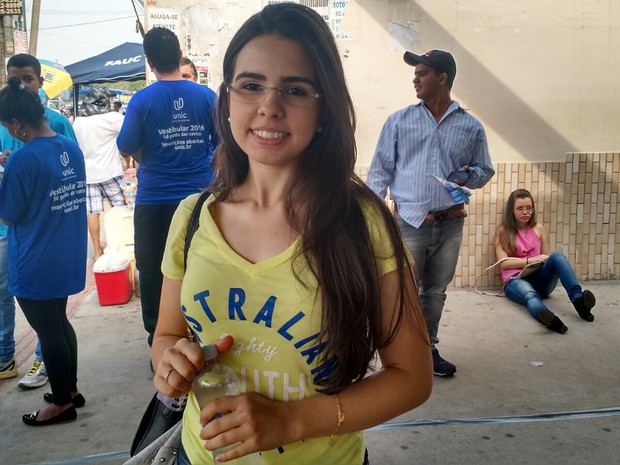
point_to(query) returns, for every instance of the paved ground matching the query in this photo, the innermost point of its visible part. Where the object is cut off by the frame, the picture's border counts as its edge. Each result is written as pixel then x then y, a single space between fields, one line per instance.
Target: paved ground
pixel 498 409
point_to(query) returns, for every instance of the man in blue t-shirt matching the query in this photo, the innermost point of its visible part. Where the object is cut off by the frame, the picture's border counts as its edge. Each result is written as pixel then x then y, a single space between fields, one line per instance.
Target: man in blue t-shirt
pixel 170 131
pixel 28 69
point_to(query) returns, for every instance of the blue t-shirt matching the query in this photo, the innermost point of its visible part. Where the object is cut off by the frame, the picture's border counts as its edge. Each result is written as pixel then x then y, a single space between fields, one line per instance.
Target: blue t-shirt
pixel 172 124
pixel 43 197
pixel 56 121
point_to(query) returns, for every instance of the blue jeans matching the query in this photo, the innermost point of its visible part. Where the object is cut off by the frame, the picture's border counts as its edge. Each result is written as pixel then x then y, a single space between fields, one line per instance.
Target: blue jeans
pixel 7 308
pixel 182 458
pixel 531 290
pixel 435 247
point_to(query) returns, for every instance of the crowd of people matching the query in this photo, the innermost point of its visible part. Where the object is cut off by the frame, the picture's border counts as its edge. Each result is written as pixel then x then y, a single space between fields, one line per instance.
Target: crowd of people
pixel 293 249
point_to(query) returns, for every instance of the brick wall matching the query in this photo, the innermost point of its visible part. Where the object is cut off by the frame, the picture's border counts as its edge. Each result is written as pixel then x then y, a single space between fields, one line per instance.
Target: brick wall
pixel 576 201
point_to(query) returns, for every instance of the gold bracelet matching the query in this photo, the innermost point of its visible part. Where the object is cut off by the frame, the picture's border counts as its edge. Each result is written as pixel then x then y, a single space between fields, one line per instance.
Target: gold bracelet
pixel 339 419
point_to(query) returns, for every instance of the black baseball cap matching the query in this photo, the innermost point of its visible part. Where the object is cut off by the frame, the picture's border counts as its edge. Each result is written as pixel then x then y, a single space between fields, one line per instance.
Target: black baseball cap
pixel 437 59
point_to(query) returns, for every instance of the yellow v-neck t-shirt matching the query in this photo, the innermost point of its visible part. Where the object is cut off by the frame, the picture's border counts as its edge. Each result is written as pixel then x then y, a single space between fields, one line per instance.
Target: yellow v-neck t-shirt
pixel 275 322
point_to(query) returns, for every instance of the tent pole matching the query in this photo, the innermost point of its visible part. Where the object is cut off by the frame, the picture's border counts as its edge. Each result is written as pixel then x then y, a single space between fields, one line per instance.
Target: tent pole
pixel 76 99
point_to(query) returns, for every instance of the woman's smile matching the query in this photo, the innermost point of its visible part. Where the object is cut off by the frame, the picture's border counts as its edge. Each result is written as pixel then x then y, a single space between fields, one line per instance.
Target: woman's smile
pixel 268 135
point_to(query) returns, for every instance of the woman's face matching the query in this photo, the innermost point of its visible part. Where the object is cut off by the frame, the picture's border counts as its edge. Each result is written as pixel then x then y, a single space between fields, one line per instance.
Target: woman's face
pixel 274 128
pixel 523 211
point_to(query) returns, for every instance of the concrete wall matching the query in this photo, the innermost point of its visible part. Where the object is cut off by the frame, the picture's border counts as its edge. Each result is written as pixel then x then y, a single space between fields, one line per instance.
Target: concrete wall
pixel 576 200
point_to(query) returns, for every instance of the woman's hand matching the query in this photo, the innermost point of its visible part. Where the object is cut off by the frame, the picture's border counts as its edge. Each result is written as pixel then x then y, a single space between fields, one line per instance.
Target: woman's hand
pixel 251 420
pixel 4 156
pixel 180 363
pixel 177 368
pixel 539 258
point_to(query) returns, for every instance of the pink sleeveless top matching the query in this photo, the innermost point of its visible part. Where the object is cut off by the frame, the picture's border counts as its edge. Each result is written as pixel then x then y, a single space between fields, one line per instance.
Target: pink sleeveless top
pixel 528 245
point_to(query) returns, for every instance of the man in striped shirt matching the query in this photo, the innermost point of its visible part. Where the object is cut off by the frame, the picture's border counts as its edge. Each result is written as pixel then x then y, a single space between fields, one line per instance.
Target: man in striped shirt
pixel 435 137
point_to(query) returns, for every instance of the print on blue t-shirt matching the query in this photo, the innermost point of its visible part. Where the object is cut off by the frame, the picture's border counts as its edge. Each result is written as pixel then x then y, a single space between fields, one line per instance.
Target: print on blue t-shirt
pixel 43 197
pixel 171 124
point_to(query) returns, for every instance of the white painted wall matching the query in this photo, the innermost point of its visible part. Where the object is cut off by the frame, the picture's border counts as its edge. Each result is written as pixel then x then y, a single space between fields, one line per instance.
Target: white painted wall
pixel 541 75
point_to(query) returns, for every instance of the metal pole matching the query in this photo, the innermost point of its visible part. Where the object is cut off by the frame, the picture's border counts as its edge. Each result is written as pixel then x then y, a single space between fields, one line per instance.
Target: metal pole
pixel 34 27
pixel 2 59
pixel 8 49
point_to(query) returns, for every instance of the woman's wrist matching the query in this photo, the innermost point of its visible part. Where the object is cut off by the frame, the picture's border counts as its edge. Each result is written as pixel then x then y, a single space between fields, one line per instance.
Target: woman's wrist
pixel 302 421
pixel 297 427
pixel 527 261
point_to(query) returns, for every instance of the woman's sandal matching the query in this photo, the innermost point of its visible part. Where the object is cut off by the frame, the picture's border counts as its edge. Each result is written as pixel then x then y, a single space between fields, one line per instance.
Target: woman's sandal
pixel 78 401
pixel 63 417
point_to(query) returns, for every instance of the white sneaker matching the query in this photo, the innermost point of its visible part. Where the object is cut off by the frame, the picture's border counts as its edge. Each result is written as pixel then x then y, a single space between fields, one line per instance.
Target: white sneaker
pixel 8 369
pixel 36 377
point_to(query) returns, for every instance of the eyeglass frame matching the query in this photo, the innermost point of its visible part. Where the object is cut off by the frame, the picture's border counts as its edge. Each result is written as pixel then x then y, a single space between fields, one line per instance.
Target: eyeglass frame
pixel 279 92
pixel 525 209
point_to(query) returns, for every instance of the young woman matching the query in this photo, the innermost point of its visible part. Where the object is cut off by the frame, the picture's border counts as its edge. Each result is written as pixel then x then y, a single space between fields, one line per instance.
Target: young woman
pixel 297 267
pixel 42 199
pixel 523 241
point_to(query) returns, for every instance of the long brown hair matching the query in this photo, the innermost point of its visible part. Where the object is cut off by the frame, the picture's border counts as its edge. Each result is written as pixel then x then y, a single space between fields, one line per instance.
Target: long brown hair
pixel 509 226
pixel 335 241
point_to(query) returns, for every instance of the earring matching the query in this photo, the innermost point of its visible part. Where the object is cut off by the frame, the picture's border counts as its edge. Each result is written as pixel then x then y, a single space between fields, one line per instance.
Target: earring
pixel 319 128
pixel 228 119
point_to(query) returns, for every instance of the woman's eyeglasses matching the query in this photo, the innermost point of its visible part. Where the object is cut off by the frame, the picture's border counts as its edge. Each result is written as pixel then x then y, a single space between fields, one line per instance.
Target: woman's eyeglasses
pixel 525 209
pixel 297 95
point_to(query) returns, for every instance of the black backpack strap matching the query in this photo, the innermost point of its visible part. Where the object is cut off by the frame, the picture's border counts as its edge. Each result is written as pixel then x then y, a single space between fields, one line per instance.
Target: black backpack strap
pixel 192 227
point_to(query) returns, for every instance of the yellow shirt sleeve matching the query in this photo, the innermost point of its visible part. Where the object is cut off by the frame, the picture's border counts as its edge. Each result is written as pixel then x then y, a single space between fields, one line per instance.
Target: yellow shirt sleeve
pixel 172 265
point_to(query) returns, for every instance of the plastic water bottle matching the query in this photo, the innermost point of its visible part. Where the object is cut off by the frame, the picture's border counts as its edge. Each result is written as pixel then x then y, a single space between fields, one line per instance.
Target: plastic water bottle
pixel 130 194
pixel 215 380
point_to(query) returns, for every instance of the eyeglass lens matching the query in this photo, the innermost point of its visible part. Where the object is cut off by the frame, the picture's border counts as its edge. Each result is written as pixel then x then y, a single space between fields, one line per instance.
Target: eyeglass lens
pixel 298 95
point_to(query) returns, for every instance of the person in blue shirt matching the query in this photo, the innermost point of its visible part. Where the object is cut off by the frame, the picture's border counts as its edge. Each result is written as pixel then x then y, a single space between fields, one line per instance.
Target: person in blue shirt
pixel 28 69
pixel 169 130
pixel 43 200
pixel 435 137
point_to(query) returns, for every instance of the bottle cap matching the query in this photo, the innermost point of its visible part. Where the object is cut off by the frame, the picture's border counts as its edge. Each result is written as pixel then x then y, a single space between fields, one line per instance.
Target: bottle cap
pixel 210 351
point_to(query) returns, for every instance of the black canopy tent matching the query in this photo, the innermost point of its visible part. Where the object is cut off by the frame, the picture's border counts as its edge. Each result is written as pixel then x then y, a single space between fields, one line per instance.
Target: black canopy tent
pixel 123 63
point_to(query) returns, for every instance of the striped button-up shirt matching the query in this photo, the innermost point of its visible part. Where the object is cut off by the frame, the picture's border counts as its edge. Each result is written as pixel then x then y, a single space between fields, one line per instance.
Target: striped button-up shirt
pixel 413 147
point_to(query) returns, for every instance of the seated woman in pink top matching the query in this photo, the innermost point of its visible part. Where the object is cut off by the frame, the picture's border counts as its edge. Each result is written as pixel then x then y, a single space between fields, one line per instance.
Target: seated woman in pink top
pixel 523 241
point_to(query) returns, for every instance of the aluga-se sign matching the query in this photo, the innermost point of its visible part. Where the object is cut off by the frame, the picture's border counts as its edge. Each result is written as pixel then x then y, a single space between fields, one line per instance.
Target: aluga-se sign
pixel 124 61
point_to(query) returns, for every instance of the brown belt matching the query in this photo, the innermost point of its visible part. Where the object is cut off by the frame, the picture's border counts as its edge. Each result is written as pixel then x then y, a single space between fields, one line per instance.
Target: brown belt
pixel 458 211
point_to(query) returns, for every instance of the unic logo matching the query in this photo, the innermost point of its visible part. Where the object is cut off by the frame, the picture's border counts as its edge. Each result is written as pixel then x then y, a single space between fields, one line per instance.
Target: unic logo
pixel 64 159
pixel 178 106
pixel 124 61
